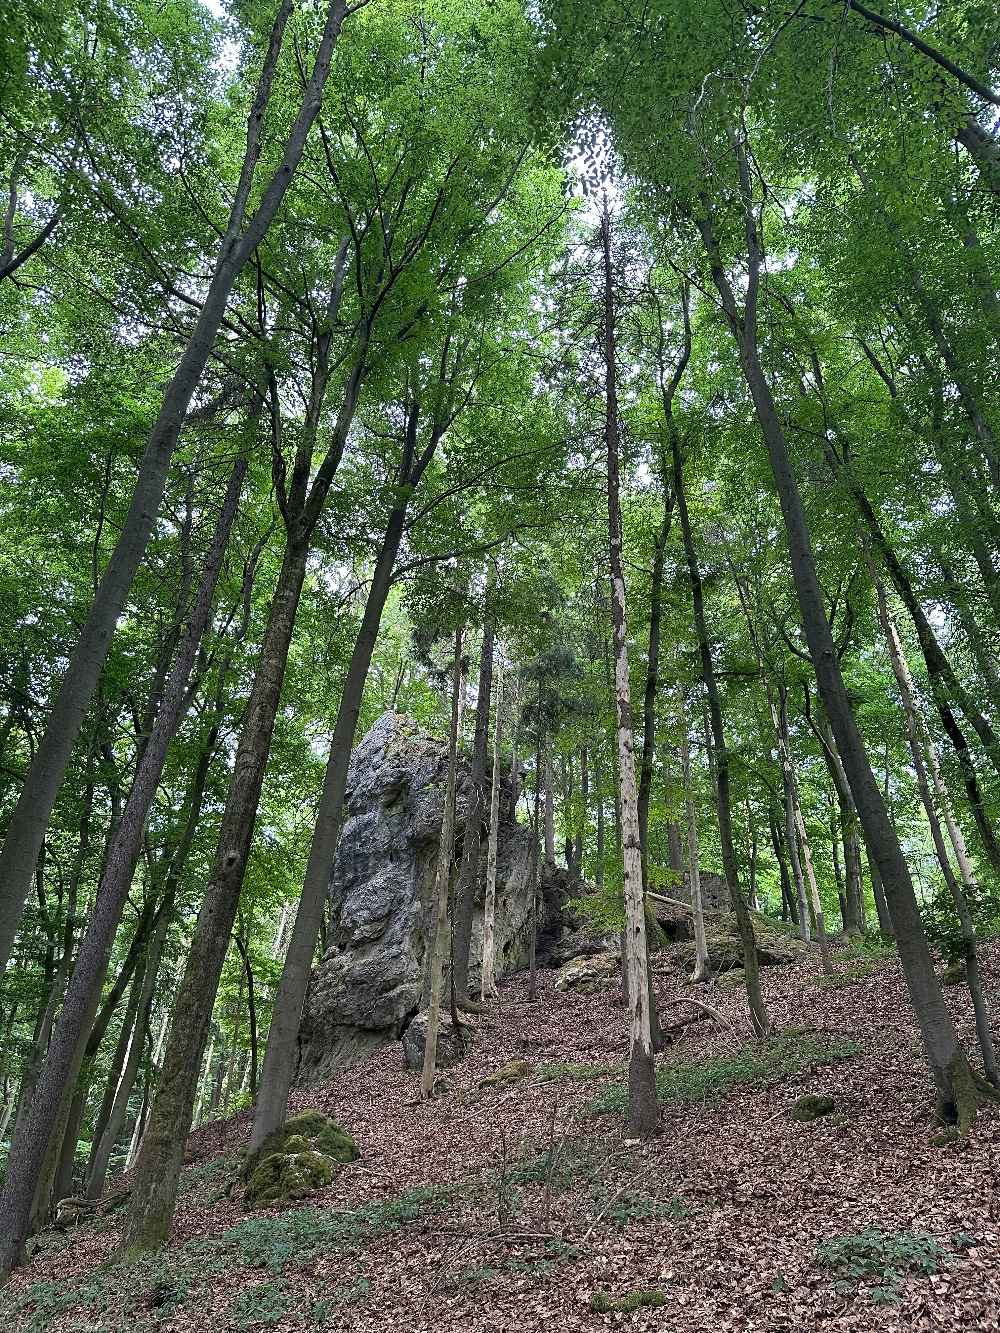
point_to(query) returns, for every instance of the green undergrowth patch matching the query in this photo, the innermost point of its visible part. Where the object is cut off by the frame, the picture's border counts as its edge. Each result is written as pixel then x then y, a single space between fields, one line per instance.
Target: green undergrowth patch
pixel 603 1303
pixel 876 1262
pixel 757 1065
pixel 141 1293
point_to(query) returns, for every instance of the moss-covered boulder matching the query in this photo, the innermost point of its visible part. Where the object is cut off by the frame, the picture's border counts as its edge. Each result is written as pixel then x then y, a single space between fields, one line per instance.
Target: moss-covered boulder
pixel 954 974
pixel 306 1156
pixel 512 1073
pixel 585 976
pixel 812 1106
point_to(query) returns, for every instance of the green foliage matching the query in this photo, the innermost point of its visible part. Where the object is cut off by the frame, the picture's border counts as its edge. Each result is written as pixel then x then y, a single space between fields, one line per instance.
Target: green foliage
pixel 880 1261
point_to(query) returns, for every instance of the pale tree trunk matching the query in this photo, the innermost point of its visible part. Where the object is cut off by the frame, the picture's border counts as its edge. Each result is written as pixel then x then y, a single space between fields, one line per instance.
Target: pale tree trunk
pixel 26 830
pixel 958 891
pixel 439 896
pixel 535 875
pixel 31 1171
pixel 488 986
pixel 960 1089
pixel 468 878
pixel 792 788
pixel 702 971
pixel 550 824
pixel 103 1148
pixel 643 1111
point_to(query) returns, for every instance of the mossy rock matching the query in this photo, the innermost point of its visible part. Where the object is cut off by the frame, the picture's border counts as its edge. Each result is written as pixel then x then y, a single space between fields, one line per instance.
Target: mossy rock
pixel 282 1177
pixel 511 1073
pixel 295 1143
pixel 954 974
pixel 813 1106
pixel 336 1143
pixel 307 1123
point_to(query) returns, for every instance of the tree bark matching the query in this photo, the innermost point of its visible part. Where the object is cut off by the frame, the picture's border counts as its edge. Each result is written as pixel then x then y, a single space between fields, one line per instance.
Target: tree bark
pixel 150 1216
pixel 487 984
pixel 281 1048
pixel 468 878
pixel 755 999
pixel 957 891
pixel 439 896
pixel 643 1110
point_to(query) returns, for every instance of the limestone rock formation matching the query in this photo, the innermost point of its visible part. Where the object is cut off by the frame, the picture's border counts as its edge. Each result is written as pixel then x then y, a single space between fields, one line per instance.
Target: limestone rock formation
pixel 366 989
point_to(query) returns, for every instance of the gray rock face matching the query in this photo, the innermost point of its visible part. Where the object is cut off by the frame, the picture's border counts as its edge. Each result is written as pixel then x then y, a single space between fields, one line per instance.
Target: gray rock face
pixel 367 987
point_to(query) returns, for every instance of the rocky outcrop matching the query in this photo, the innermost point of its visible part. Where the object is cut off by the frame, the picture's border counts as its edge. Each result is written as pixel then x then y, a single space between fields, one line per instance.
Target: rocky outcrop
pixel 366 989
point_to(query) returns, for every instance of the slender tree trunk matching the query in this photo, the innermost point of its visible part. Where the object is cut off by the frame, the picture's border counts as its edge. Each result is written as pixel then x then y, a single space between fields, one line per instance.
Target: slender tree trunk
pixel 487 985
pixel 643 1110
pixel 652 683
pixel 599 848
pixel 468 878
pixel 702 971
pixel 435 960
pixel 535 873
pixel 104 1145
pixel 584 819
pixel 959 1088
pixel 26 830
pixel 282 1038
pixel 780 720
pixel 788 905
pixel 550 823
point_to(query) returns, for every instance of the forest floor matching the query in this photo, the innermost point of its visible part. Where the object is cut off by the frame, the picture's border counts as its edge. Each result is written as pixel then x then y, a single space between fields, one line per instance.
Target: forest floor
pixel 716 1225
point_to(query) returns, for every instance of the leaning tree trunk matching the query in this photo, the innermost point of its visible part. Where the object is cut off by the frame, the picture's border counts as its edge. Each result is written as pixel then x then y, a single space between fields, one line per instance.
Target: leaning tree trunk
pixel 643 1111
pixel 468 878
pixel 104 1146
pixel 435 960
pixel 487 982
pixel 26 830
pixel 957 891
pixel 37 1157
pixel 960 1089
pixel 282 1037
pixel 150 1216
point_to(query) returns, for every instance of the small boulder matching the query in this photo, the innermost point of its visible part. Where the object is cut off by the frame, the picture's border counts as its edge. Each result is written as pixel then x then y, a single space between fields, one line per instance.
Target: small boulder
pixel 587 975
pixel 954 974
pixel 812 1107
pixel 305 1156
pixel 511 1073
pixel 281 1177
pixel 582 943
pixel 451 1046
